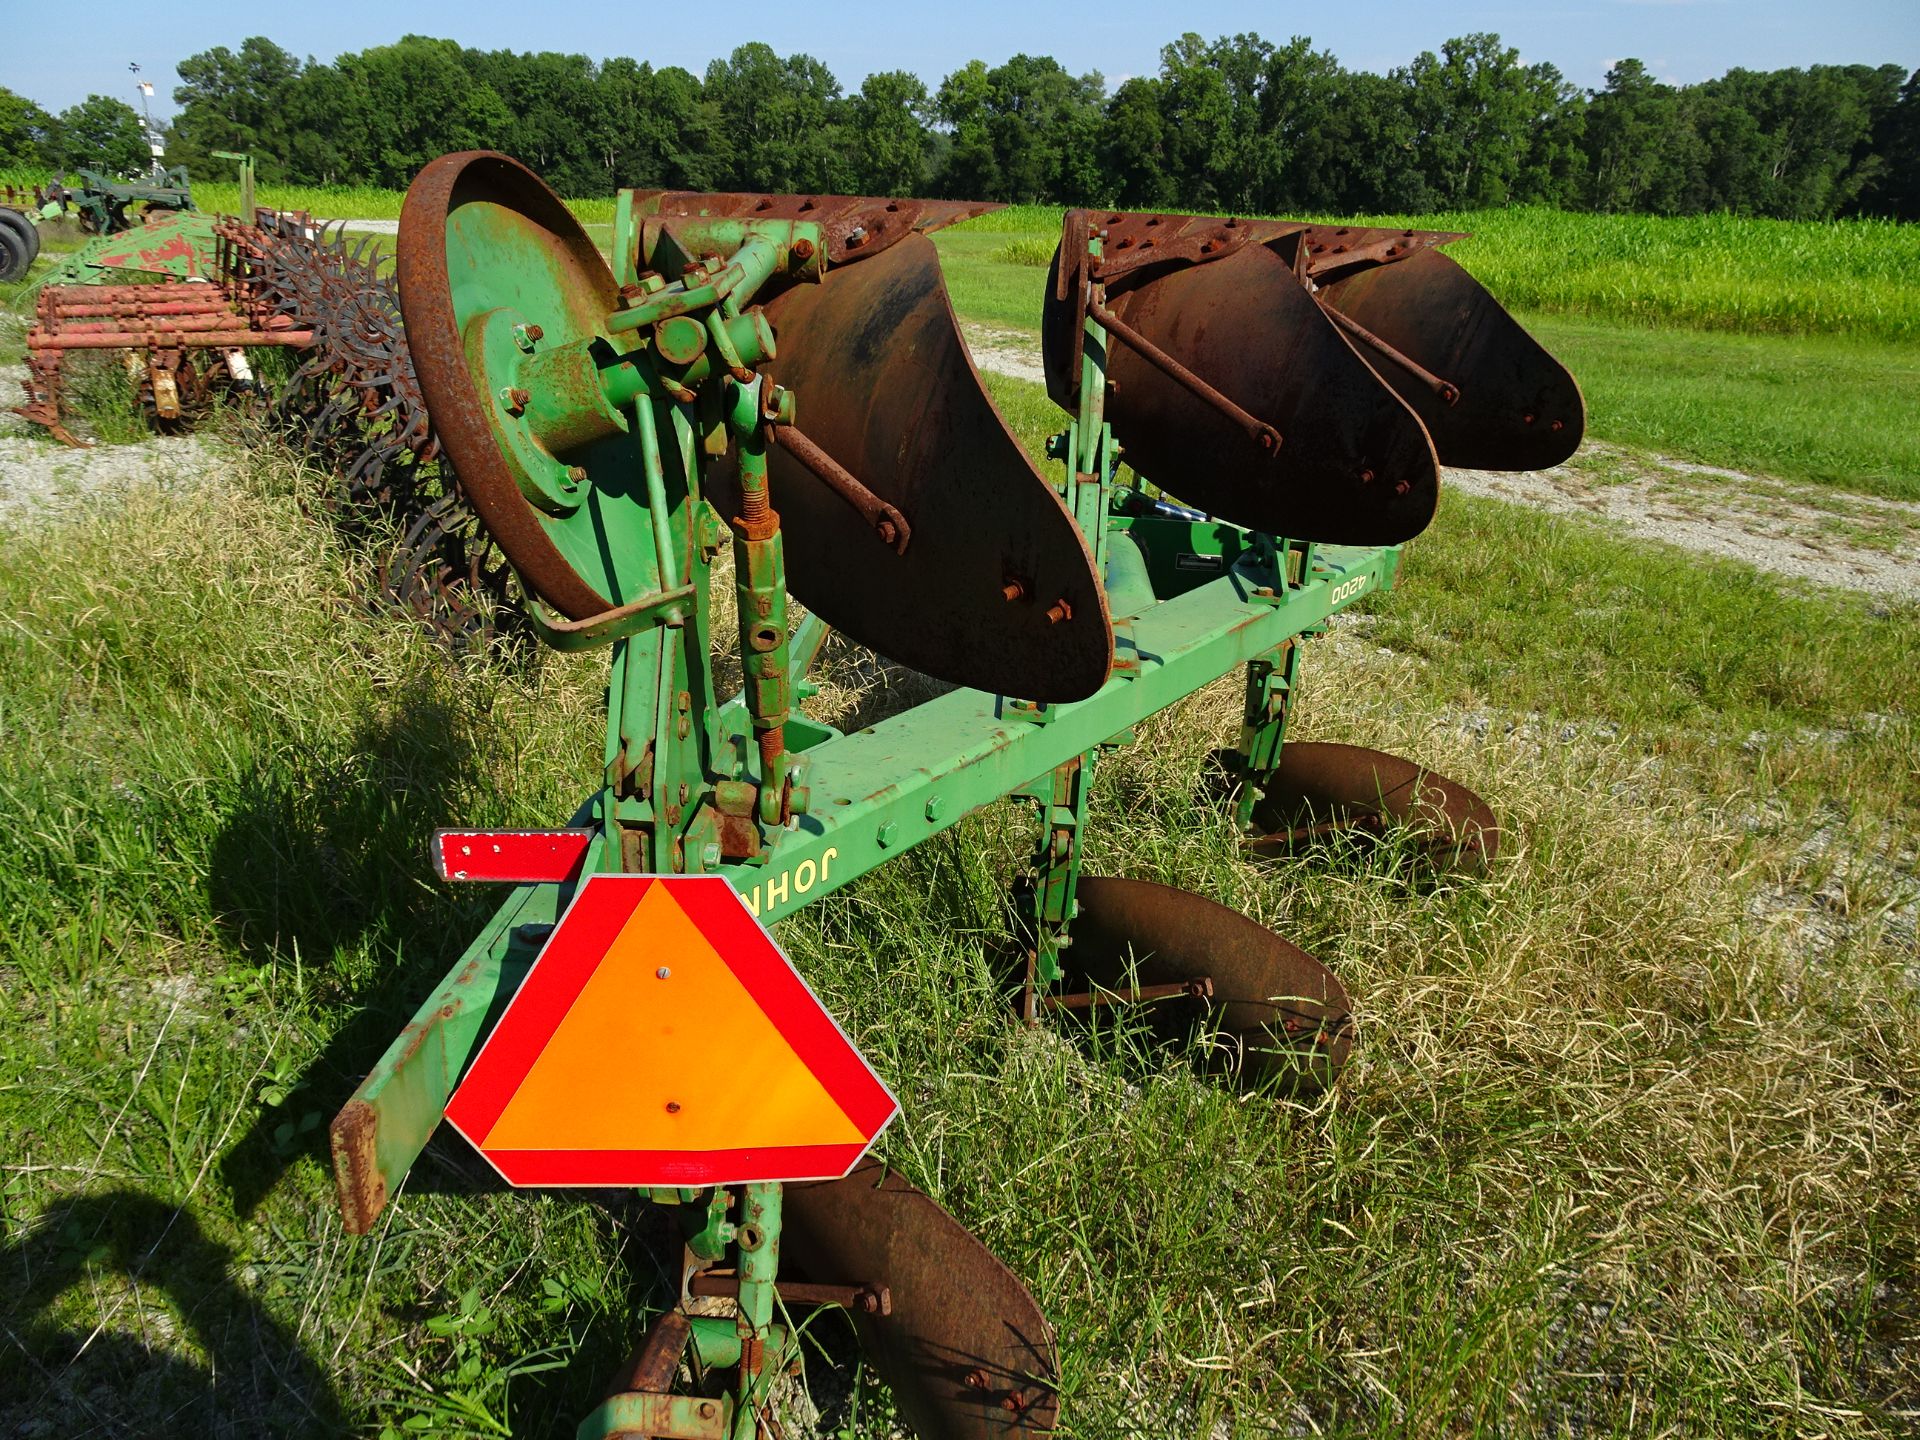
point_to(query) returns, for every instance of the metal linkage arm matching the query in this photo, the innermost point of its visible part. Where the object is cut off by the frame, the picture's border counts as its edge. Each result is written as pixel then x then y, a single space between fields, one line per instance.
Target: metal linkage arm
pixel 1264 435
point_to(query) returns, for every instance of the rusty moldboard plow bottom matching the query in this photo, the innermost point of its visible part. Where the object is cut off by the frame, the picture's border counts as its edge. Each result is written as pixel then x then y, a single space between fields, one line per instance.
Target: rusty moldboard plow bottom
pixel 1256 413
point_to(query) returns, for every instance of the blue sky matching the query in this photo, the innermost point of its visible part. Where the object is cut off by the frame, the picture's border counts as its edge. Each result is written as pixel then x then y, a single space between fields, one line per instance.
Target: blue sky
pixel 58 53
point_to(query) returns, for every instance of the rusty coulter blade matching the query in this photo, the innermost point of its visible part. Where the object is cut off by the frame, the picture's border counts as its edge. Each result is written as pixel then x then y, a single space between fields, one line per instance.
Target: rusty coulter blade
pixel 996 588
pixel 1279 1014
pixel 1323 789
pixel 965 1350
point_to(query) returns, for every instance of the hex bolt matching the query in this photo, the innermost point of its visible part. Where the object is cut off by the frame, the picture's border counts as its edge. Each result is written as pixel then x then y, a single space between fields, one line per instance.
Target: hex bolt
pixel 577 473
pixel 856 237
pixel 888 833
pixel 1013 590
pixel 1058 611
pixel 803 250
pixel 710 854
pixel 936 807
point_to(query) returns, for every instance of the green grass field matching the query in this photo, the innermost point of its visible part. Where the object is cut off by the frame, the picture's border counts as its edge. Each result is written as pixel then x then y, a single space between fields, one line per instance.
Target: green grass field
pixel 1630 1145
pixel 1623 1149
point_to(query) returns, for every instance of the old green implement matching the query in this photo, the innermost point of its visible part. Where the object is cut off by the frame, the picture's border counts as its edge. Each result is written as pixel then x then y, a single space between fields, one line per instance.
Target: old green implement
pixel 783 377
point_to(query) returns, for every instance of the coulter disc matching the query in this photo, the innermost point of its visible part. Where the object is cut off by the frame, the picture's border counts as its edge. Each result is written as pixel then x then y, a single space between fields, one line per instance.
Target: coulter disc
pixel 485 245
pixel 1279 1015
pixel 1322 789
pixel 965 1350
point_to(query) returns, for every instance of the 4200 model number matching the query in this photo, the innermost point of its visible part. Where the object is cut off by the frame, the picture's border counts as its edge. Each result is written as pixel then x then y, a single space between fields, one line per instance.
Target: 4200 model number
pixel 1347 589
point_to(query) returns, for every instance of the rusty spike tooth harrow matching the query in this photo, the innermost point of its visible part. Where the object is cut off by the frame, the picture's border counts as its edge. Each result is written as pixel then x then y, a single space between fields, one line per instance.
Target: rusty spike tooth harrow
pixel 784 375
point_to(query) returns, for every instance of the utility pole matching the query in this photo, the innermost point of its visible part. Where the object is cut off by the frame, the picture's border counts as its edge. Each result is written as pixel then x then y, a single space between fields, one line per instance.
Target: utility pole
pixel 146 109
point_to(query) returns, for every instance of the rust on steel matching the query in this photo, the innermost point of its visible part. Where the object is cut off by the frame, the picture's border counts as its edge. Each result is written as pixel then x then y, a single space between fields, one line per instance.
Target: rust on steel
pixel 1517 409
pixel 884 384
pixel 439 350
pixel 888 523
pixel 966 1351
pixel 853 226
pixel 1323 789
pixel 1281 1016
pixel 1263 434
pixel 1357 466
pixel 651 1369
pixel 868 1299
pixel 1374 354
pixel 358 1184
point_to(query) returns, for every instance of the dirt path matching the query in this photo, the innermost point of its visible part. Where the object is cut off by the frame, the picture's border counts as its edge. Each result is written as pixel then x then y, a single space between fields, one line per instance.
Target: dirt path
pixel 1805 531
pixel 40 477
pixel 1808 532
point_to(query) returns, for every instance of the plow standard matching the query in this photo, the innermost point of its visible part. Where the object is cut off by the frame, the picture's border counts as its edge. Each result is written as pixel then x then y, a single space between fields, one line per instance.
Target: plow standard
pixel 782 376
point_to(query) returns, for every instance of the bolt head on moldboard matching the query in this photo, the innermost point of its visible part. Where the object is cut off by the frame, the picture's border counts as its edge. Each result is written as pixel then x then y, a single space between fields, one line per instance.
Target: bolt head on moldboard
pixel 602 1070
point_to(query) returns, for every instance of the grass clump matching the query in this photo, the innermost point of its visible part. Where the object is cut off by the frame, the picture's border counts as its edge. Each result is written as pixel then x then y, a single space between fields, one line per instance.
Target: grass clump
pixel 1036 250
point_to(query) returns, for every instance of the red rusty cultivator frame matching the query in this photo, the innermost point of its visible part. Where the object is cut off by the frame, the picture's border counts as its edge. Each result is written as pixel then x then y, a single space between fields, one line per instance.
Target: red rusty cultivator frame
pixel 185 310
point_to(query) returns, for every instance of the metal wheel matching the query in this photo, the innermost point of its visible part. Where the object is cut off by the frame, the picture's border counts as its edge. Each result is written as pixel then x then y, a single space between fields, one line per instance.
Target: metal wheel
pixel 481 235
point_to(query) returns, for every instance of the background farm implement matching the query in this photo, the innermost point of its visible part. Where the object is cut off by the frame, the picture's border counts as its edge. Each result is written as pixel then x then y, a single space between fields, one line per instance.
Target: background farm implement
pixel 782 377
pixel 190 301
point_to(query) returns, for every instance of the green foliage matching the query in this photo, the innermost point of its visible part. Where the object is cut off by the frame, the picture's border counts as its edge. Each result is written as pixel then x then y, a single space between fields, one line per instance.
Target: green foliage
pixel 1234 124
pixel 1607 1160
pixel 1028 250
pixel 100 133
pixel 23 130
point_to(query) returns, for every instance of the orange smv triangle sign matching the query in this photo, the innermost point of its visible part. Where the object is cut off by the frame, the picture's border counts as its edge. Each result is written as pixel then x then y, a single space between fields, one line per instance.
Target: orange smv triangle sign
pixel 662 1038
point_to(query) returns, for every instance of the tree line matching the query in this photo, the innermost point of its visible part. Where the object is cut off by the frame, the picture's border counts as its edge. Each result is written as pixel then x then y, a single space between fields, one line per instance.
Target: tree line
pixel 1234 124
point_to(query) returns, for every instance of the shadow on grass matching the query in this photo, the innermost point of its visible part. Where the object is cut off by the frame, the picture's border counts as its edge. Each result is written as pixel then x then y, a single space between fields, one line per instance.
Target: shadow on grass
pixel 322 865
pixel 125 1373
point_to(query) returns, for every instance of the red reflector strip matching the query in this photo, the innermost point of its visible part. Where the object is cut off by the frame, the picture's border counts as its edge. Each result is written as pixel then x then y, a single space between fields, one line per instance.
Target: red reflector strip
pixel 518 857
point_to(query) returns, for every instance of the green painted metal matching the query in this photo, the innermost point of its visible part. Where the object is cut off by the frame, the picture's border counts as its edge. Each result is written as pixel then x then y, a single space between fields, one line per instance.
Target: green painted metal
pixel 878 792
pixel 180 245
pixel 102 201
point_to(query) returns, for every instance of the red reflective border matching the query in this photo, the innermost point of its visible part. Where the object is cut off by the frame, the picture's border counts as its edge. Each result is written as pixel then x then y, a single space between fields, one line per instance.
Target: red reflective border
pixel 516 857
pixel 573 952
